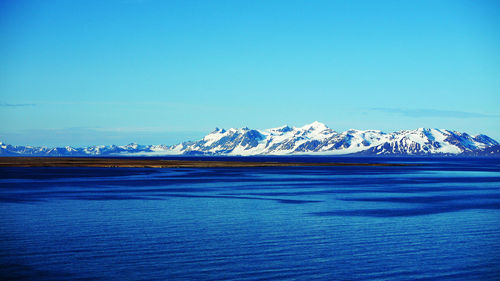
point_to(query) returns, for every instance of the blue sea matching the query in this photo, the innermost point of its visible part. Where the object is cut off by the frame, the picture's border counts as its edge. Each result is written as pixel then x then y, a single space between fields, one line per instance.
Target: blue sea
pixel 436 220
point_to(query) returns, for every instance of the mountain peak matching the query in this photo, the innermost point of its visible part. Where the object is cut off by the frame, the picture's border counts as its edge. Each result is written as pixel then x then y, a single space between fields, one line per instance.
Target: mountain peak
pixel 316 125
pixel 282 129
pixel 314 138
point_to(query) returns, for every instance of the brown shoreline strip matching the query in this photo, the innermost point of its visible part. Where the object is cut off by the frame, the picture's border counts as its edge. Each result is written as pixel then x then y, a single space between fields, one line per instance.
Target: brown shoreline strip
pixel 157 163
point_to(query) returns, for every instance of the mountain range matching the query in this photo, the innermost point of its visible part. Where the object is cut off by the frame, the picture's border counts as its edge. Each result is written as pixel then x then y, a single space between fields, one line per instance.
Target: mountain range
pixel 312 139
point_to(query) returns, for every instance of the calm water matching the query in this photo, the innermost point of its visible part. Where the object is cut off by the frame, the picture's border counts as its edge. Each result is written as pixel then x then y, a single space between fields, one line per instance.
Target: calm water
pixel 440 221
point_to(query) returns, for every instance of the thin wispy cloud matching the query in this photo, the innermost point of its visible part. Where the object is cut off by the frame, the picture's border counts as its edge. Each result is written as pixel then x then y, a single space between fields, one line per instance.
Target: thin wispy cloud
pixel 84 136
pixel 424 112
pixel 123 129
pixel 6 104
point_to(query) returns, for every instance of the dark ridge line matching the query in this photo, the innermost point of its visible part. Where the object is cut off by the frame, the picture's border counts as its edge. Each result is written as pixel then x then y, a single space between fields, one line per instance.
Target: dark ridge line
pixel 154 163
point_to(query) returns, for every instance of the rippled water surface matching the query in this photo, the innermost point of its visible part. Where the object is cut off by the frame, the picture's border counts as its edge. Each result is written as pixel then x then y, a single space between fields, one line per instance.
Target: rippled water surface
pixel 438 220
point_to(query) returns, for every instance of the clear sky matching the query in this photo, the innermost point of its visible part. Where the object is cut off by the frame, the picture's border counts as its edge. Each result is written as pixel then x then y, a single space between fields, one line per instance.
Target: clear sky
pixel 102 72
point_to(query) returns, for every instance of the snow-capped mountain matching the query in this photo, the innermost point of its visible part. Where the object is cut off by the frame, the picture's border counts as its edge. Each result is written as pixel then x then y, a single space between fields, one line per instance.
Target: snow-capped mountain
pixel 11 150
pixel 315 138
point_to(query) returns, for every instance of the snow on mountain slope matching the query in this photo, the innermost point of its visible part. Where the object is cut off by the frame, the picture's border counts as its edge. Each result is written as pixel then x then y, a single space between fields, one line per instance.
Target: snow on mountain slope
pixel 315 138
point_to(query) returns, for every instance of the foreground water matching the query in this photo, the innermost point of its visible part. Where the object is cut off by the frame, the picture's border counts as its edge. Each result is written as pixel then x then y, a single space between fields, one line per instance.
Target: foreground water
pixel 440 220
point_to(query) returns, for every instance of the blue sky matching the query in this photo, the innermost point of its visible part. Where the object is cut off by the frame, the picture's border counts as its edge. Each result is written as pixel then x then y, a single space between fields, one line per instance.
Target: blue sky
pixel 103 72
